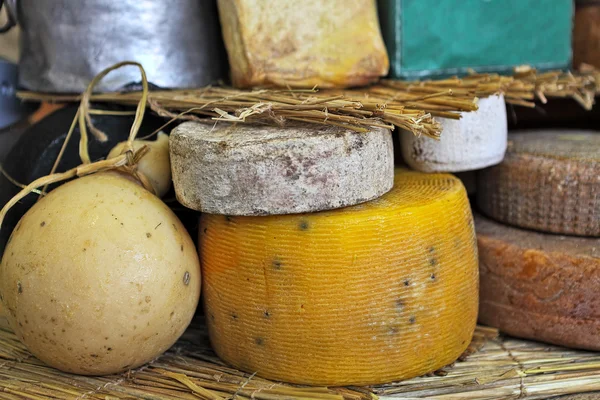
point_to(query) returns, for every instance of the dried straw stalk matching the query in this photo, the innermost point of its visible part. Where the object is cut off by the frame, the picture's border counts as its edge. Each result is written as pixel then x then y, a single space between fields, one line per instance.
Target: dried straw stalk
pixel 407 105
pixel 497 368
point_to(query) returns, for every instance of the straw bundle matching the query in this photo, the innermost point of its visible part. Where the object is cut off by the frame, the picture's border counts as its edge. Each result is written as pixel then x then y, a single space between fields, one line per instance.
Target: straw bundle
pixel 403 104
pixel 492 368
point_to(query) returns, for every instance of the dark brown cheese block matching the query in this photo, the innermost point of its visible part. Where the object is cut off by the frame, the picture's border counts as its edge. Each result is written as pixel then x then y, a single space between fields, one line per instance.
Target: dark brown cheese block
pixel 549 181
pixel 539 286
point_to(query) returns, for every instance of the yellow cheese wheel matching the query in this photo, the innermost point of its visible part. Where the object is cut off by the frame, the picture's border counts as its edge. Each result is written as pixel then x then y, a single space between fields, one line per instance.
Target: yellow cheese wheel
pixel 372 293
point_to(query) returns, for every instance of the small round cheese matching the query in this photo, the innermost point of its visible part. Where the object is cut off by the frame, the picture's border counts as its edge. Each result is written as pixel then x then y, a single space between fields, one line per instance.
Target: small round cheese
pixel 475 141
pixel 539 286
pixel 373 293
pixel 260 170
pixel 549 181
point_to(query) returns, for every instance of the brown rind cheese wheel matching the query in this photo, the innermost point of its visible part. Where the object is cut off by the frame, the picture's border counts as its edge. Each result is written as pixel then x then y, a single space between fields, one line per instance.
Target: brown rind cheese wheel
pixel 549 181
pixel 539 286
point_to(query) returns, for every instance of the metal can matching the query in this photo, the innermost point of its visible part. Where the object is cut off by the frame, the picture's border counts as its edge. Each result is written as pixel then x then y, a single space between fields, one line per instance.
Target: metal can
pixel 65 43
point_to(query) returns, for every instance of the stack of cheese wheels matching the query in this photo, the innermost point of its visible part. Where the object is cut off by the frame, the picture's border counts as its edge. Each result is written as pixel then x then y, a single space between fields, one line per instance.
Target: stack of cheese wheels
pixel 477 140
pixel 265 170
pixel 377 292
pixel 549 181
pixel 539 285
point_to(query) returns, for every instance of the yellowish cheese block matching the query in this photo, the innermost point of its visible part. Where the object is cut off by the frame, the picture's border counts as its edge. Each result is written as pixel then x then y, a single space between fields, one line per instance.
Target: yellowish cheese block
pixel 333 43
pixel 372 293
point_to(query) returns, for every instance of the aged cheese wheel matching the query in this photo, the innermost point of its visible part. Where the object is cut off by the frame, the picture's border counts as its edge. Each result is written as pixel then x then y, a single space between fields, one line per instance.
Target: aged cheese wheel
pixel 372 293
pixel 475 141
pixel 539 286
pixel 549 181
pixel 334 43
pixel 262 170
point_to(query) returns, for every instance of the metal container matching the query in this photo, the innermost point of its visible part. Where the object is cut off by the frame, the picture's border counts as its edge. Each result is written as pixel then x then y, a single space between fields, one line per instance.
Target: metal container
pixel 65 43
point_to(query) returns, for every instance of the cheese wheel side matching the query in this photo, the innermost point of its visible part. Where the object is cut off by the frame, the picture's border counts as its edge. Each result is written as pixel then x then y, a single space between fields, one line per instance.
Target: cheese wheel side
pixel 539 286
pixel 548 181
pixel 476 140
pixel 377 292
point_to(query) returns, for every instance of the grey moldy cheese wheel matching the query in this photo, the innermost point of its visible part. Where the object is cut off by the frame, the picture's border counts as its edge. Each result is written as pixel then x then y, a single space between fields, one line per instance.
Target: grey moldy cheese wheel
pixel 539 286
pixel 241 169
pixel 549 181
pixel 475 141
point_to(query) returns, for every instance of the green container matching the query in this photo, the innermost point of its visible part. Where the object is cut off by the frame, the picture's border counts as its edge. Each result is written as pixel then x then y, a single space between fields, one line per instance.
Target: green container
pixel 437 38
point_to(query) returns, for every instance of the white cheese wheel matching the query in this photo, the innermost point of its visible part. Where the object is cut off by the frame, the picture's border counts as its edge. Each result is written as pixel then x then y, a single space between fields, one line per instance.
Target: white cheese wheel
pixel 475 141
pixel 246 169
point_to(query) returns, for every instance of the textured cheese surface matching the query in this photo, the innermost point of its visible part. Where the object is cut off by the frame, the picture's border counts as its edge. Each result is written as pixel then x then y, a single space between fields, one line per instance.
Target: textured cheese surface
pixel 372 293
pixel 263 170
pixel 549 181
pixel 539 286
pixel 475 141
pixel 333 43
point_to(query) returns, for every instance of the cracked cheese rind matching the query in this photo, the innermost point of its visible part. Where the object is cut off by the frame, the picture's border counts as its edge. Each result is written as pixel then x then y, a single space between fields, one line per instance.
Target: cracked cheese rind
pixel 539 286
pixel 334 43
pixel 377 292
pixel 549 181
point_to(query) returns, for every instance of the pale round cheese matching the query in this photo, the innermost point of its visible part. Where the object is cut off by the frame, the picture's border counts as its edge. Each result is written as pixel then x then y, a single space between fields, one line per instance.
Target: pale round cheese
pixel 373 293
pixel 475 141
pixel 241 169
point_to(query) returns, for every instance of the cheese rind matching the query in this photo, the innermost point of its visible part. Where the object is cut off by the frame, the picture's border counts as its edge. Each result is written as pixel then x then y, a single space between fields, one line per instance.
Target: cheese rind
pixel 334 43
pixel 263 170
pixel 549 181
pixel 475 141
pixel 539 286
pixel 377 292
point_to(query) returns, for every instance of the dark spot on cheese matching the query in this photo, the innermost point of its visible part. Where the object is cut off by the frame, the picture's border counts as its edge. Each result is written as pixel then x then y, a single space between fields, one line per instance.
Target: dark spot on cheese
pixel 53 320
pixel 148 299
pixel 94 355
pixel 205 230
pixel 19 288
pixel 186 278
pixel 432 262
pixel 259 341
pixel 432 277
pixel 431 249
pixel 393 330
pixel 43 223
pixel 148 235
pixel 303 225
pixel 212 317
pixel 69 348
pixel 63 331
pixel 109 349
pixel 20 324
pixel 266 314
pixel 412 320
pixel 175 227
pixel 84 249
pixel 181 247
pixel 234 316
pixel 106 338
pixel 277 264
pixel 406 282
pixel 228 218
pixel 172 313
